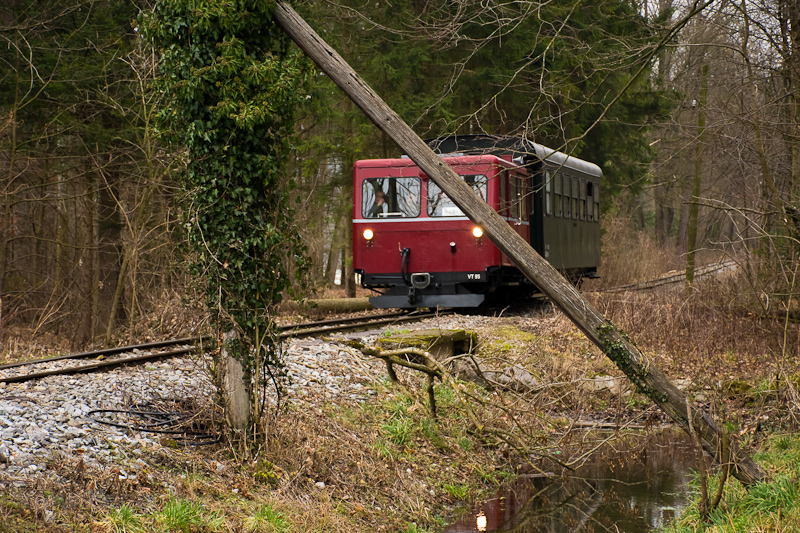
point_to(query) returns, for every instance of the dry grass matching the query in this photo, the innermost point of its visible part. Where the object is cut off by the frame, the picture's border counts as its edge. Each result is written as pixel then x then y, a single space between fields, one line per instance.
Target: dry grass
pixel 630 256
pixel 633 256
pixel 20 343
pixel 705 328
pixel 385 463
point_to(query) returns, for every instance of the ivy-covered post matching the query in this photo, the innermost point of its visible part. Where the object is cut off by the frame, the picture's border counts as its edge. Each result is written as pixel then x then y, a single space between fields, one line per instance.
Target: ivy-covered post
pixel 231 84
pixel 647 377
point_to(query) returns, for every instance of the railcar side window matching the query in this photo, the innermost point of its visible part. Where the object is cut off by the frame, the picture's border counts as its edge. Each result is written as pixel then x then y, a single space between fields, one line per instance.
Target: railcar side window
pixel 582 200
pixel 596 195
pixel 390 197
pixel 557 201
pixel 439 205
pixel 567 197
pixel 548 208
pixel 518 198
pixel 574 197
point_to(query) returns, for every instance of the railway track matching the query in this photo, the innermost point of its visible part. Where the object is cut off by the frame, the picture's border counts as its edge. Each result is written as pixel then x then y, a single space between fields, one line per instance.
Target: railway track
pixel 675 277
pixel 109 358
pixel 106 359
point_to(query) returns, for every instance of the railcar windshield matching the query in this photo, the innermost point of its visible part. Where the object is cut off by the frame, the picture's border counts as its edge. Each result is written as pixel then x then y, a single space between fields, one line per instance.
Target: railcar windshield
pixel 390 197
pixel 439 205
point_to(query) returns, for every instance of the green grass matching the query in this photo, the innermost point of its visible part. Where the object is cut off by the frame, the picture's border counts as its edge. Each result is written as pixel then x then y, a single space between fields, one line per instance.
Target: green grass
pixel 384 450
pixel 771 506
pixel 266 520
pixel 399 431
pixel 188 517
pixel 457 491
pixel 123 520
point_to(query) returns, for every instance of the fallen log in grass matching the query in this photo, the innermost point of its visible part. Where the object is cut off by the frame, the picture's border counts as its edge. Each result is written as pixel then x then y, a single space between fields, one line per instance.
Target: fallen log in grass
pixel 329 305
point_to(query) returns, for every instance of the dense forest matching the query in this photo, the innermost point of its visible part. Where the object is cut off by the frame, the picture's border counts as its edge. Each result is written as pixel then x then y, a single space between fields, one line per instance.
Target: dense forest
pixel 690 108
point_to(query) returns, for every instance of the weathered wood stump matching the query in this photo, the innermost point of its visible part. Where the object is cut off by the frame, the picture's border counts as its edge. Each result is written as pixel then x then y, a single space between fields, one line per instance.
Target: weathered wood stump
pixel 423 351
pixel 442 344
pixel 235 391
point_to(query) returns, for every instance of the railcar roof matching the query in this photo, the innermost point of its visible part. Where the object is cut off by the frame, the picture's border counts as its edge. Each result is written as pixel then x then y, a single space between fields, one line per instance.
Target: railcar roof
pixel 503 145
pixel 457 159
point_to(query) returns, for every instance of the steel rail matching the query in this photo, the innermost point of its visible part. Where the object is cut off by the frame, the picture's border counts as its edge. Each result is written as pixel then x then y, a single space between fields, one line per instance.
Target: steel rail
pixel 94 367
pixel 107 351
pixel 292 331
pixel 670 279
pixel 336 321
pixel 186 340
pixel 400 319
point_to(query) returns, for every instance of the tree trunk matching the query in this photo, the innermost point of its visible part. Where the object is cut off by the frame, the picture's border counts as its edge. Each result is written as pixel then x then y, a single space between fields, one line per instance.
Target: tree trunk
pixel 95 254
pixel 665 214
pixel 698 177
pixel 348 277
pixel 330 266
pixel 681 239
pixel 5 228
pixel 5 223
pixel 87 292
pixel 115 304
pixel 615 344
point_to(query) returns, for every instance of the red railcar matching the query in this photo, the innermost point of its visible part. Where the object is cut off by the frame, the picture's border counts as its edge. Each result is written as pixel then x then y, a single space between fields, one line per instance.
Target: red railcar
pixel 415 246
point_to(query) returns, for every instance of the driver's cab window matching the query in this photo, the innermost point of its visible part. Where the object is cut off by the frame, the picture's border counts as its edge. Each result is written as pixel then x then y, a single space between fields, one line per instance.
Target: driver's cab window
pixel 390 197
pixel 440 205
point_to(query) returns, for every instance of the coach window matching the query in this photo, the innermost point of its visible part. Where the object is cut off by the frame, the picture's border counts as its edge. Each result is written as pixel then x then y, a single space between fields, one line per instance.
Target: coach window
pixel 567 197
pixel 390 197
pixel 575 198
pixel 596 202
pixel 582 200
pixel 519 209
pixel 440 205
pixel 548 208
pixel 557 201
pixel 514 194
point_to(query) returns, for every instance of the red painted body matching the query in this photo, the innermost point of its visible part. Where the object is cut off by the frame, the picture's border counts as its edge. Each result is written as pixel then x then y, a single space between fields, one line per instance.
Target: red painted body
pixel 429 242
pixel 428 238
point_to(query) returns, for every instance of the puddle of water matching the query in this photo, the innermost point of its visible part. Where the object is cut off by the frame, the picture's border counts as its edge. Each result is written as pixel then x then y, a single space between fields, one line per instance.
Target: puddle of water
pixel 634 489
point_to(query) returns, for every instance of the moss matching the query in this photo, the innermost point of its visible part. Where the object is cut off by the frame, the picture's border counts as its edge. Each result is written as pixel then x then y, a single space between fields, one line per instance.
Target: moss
pixel 617 351
pixel 426 339
pixel 737 387
pixel 507 339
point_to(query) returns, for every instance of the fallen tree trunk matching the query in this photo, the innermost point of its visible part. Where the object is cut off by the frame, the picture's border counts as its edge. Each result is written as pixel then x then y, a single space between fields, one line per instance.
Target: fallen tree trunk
pixel 615 344
pixel 330 305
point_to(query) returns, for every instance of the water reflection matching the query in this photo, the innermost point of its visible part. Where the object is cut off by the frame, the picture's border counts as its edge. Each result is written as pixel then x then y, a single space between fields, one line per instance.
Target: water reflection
pixel 635 488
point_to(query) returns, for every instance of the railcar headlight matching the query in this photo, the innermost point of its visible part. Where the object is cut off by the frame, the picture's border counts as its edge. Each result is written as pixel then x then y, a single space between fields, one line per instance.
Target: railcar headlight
pixel 368 234
pixel 477 232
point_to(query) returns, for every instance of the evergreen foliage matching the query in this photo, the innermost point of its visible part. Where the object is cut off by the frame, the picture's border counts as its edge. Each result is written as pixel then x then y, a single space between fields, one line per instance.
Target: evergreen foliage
pixel 232 85
pixel 555 74
pixel 547 71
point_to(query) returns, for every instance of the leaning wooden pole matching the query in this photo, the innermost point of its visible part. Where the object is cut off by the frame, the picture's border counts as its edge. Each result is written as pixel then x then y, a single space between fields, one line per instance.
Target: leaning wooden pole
pixel 614 343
